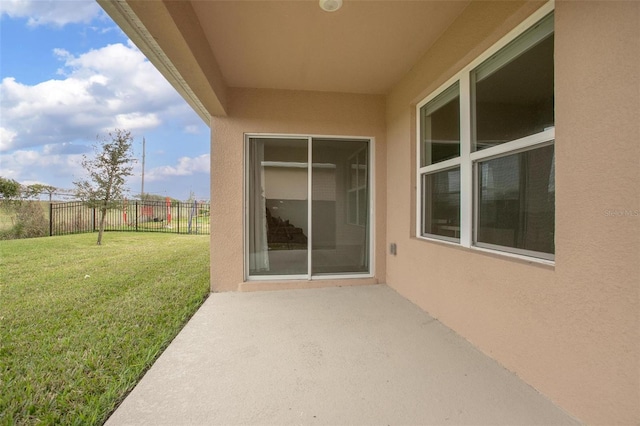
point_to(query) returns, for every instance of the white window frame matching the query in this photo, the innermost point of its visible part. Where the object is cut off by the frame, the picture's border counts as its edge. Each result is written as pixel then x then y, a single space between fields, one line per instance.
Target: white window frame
pixel 309 276
pixel 468 159
pixel 359 187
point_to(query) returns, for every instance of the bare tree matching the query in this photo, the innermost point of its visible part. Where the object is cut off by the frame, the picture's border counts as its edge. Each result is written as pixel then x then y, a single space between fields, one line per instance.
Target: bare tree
pixel 112 163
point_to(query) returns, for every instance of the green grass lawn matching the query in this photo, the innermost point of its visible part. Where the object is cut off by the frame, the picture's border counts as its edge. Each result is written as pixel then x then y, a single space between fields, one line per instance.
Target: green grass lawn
pixel 80 323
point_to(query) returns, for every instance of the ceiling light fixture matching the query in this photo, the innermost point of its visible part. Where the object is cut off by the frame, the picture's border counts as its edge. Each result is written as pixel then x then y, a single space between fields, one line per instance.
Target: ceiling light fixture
pixel 330 5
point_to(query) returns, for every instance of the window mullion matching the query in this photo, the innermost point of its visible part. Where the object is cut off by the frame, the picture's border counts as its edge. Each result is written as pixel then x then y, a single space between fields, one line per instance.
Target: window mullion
pixel 466 175
pixel 309 206
pixel 443 165
pixel 524 143
pixel 418 175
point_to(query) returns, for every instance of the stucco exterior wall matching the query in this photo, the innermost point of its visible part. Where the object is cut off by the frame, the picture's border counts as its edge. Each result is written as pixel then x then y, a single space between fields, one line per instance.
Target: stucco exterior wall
pixel 284 112
pixel 571 330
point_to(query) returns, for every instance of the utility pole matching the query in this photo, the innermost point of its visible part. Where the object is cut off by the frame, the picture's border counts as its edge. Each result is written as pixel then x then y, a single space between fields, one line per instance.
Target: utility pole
pixel 143 155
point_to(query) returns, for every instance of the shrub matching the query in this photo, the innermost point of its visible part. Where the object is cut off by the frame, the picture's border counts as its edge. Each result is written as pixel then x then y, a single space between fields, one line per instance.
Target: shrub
pixel 30 222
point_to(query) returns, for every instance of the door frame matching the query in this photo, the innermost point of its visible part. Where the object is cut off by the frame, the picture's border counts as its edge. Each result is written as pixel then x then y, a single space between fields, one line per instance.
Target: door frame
pixel 371 207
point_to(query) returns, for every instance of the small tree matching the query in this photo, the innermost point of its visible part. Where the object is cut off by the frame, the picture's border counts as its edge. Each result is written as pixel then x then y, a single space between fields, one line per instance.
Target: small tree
pixel 113 162
pixel 9 189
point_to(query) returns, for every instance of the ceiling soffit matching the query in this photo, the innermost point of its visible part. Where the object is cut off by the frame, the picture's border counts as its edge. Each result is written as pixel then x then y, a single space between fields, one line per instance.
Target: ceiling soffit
pixel 204 47
pixel 365 47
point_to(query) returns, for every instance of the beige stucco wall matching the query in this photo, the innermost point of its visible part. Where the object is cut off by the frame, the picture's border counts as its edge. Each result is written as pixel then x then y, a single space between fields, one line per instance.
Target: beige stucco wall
pixel 283 112
pixel 571 330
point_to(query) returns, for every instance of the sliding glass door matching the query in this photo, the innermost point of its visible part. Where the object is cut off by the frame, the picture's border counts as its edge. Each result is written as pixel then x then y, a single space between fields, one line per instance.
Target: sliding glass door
pixel 340 207
pixel 308 207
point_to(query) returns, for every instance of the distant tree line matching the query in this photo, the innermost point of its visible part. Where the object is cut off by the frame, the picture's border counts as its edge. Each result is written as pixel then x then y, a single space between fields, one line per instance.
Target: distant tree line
pixel 157 198
pixel 10 190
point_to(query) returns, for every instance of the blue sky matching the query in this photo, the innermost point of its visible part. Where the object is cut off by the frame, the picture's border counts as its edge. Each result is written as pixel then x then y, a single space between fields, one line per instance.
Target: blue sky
pixel 69 74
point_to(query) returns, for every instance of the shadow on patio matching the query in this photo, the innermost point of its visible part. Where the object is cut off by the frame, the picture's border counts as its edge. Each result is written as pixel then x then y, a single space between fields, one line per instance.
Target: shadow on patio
pixel 351 355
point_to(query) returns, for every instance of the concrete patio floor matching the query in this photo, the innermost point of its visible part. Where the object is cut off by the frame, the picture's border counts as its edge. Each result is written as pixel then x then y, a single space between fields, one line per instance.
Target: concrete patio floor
pixel 332 356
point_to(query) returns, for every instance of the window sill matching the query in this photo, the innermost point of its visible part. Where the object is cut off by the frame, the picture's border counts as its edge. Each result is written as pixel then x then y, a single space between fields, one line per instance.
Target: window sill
pixel 527 259
pixel 530 260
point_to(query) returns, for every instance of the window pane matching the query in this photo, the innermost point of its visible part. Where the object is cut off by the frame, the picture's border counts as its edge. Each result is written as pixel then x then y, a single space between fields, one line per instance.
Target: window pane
pixel 513 90
pixel 340 241
pixel 278 206
pixel 441 208
pixel 352 206
pixel 362 169
pixel 363 204
pixel 516 201
pixel 440 127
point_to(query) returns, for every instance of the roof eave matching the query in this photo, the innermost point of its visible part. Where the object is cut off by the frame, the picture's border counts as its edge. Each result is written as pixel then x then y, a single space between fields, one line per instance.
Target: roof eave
pixel 170 36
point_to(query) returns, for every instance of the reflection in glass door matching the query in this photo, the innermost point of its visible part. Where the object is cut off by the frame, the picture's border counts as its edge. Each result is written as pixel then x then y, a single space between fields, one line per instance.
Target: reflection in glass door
pixel 278 207
pixel 340 210
pixel 308 207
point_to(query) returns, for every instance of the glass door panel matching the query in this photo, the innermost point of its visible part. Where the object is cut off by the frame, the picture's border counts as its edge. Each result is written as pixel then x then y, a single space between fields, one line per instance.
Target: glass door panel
pixel 340 207
pixel 281 208
pixel 278 212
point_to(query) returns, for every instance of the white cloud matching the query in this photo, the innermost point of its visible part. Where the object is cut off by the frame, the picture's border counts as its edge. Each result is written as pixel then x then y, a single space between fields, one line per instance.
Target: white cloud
pixel 31 165
pixel 192 129
pixel 7 137
pixel 51 12
pixel 111 87
pixel 65 148
pixel 136 120
pixel 186 166
pixel 59 169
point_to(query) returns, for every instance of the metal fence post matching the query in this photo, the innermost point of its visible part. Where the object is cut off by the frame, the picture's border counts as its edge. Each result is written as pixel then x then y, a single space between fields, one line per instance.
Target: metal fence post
pixel 50 219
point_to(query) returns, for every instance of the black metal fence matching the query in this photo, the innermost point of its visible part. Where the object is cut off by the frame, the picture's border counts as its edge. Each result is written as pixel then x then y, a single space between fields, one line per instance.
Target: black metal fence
pixel 139 216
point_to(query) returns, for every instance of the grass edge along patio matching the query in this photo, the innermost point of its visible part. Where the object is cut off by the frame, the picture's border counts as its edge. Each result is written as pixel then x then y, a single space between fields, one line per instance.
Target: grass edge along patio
pixel 80 323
